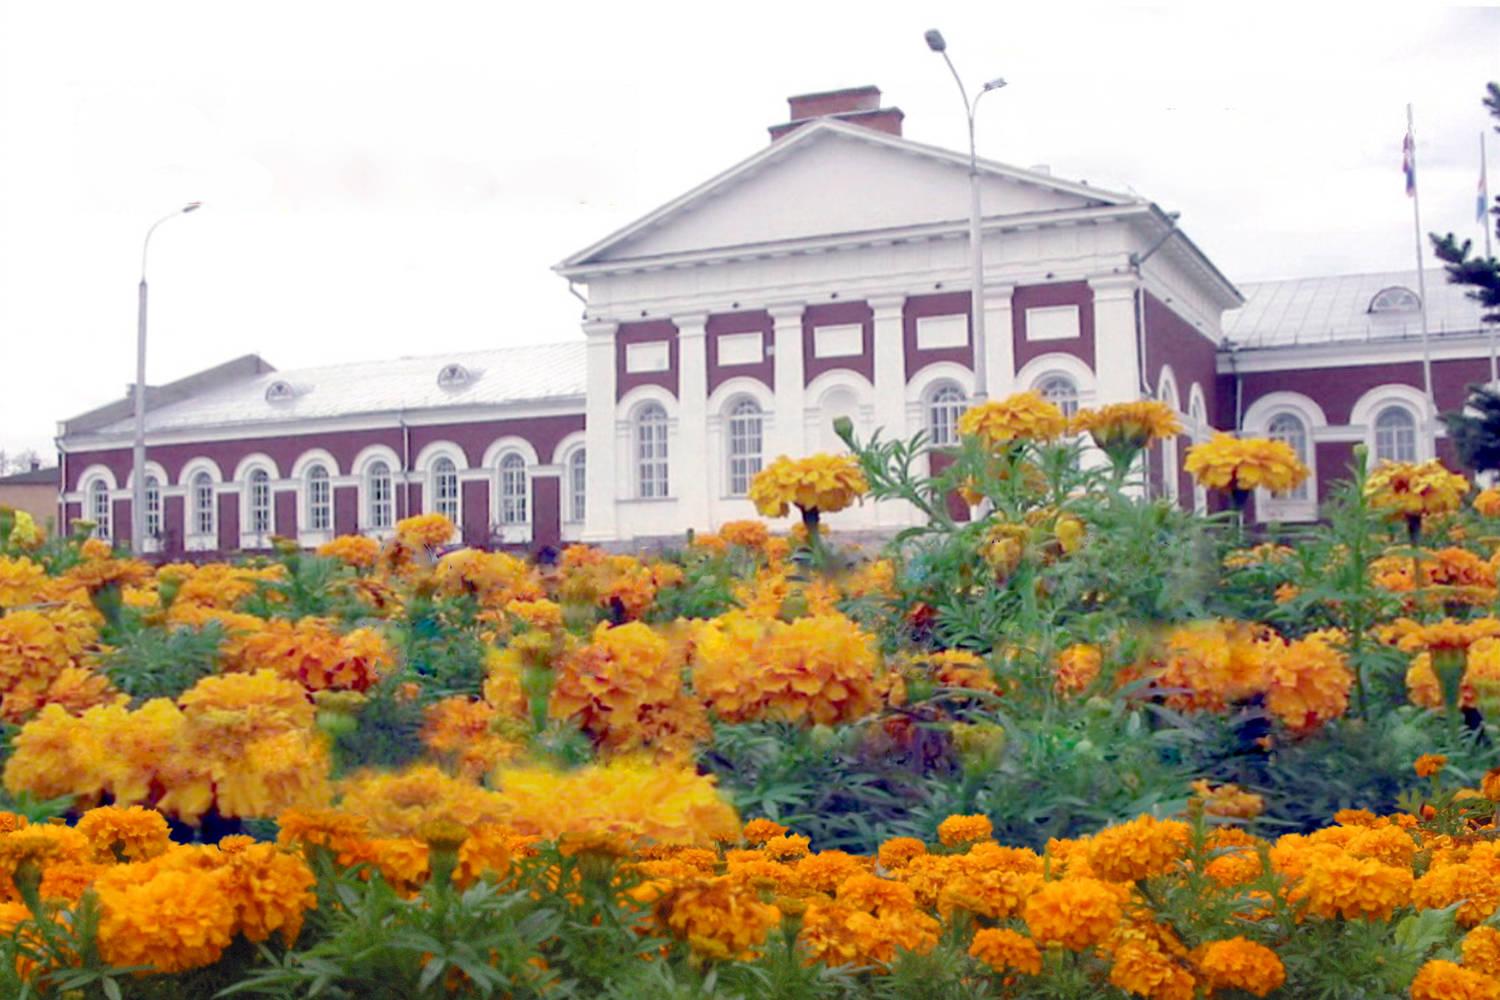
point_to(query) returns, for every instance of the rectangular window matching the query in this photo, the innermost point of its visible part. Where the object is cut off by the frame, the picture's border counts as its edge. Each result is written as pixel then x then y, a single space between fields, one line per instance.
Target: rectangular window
pixel 380 501
pixel 320 504
pixel 938 332
pixel 843 341
pixel 260 504
pixel 652 455
pixel 578 487
pixel 1052 323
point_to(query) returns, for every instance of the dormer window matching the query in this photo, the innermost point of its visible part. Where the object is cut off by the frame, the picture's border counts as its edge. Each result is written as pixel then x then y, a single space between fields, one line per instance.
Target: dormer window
pixel 1395 299
pixel 279 392
pixel 453 376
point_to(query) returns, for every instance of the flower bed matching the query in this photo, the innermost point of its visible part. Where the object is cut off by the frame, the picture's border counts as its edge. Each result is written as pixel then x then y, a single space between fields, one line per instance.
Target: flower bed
pixel 1069 743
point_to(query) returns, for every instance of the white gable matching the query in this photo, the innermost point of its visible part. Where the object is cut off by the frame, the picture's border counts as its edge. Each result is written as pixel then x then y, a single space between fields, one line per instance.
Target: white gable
pixel 831 181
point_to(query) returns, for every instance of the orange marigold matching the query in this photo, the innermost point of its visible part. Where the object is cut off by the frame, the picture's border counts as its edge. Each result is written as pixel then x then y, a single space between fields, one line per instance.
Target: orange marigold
pixel 1140 849
pixel 125 834
pixel 172 921
pixel 1443 980
pixel 956 831
pixel 1409 489
pixel 719 918
pixel 823 483
pixel 1429 764
pixel 1076 913
pixel 1481 950
pixel 1241 964
pixel 1005 950
pixel 1022 416
pixel 1242 464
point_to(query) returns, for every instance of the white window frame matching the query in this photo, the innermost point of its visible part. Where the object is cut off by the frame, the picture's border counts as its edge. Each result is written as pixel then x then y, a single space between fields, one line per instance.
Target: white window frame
pixel 1368 408
pixel 651 460
pixel 259 534
pixel 154 523
pixel 744 444
pixel 514 485
pixel 1413 425
pixel 317 509
pixel 102 515
pixel 1263 413
pixel 375 504
pixel 940 416
pixel 202 527
pixel 576 490
pixel 1068 406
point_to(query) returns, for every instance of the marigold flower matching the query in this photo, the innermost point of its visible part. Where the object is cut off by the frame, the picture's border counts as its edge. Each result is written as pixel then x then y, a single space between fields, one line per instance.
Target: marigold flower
pixel 1443 980
pixel 1241 964
pixel 1140 849
pixel 1338 885
pixel 1309 682
pixel 1481 950
pixel 1239 465
pixel 1487 502
pixel 897 852
pixel 270 888
pixel 425 531
pixel 745 534
pixel 1005 950
pixel 1077 668
pixel 1127 427
pixel 1445 884
pixel 1022 416
pixel 21 581
pixel 125 834
pixel 823 483
pixel 1430 763
pixel 1228 800
pixel 1409 489
pixel 955 831
pixel 760 830
pixel 1142 968
pixel 358 551
pixel 170 922
pixel 1076 913
pixel 719 918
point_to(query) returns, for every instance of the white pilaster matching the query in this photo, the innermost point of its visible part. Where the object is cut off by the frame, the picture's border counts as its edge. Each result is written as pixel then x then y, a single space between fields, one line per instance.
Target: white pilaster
pixel 688 477
pixel 999 343
pixel 599 432
pixel 890 366
pixel 1117 360
pixel 786 436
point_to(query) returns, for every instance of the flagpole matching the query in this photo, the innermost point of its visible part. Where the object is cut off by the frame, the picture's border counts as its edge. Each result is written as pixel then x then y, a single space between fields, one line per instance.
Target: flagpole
pixel 1484 224
pixel 1416 221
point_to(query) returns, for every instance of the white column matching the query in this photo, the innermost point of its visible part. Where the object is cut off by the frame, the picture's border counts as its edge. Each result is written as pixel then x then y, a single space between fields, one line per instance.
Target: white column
pixel 687 476
pixel 599 432
pixel 1117 360
pixel 786 423
pixel 890 366
pixel 999 342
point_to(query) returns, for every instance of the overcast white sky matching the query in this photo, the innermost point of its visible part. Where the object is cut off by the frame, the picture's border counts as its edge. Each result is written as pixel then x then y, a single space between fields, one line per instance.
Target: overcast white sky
pixel 384 179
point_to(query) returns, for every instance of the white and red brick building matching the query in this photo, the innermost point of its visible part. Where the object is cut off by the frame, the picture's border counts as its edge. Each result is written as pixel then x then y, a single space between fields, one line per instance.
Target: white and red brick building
pixel 827 275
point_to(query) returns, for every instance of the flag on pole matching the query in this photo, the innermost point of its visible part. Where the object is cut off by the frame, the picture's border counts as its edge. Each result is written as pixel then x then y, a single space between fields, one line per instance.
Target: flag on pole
pixel 1482 200
pixel 1409 164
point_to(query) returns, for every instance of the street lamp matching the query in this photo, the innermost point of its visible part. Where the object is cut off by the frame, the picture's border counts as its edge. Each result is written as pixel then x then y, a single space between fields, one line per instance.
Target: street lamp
pixel 138 461
pixel 936 43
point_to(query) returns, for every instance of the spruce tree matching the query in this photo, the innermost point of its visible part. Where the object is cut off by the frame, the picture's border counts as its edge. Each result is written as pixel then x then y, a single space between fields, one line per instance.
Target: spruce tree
pixel 1475 429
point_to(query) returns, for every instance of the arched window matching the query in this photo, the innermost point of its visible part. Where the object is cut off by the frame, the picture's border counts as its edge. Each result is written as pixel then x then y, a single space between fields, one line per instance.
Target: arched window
pixel 378 489
pixel 578 486
pixel 945 404
pixel 153 507
pixel 745 445
pixel 260 503
pixel 1289 428
pixel 1395 435
pixel 319 498
pixel 1061 391
pixel 513 489
pixel 99 511
pixel 651 451
pixel 1167 393
pixel 203 504
pixel 445 489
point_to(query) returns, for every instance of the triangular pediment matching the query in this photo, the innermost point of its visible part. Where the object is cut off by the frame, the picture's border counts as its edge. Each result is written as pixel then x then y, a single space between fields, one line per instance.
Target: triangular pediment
pixel 830 178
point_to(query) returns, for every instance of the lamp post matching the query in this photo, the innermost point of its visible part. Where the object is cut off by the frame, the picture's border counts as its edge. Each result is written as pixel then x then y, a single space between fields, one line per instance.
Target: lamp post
pixel 138 459
pixel 936 43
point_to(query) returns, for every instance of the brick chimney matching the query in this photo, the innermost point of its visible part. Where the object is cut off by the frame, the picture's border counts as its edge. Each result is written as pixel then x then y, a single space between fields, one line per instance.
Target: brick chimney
pixel 856 105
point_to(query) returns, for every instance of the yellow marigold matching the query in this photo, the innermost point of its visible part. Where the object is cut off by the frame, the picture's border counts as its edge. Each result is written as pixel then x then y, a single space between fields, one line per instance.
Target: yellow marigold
pixel 897 852
pixel 1446 635
pixel 1076 913
pixel 1309 682
pixel 1005 950
pixel 1241 964
pixel 1127 426
pixel 1445 884
pixel 1443 980
pixel 1429 764
pixel 425 531
pixel 955 831
pixel 20 581
pixel 719 918
pixel 359 551
pixel 1022 416
pixel 1241 464
pixel 493 578
pixel 630 799
pixel 1481 950
pixel 540 613
pixel 39 846
pixel 1142 968
pixel 403 803
pixel 25 533
pixel 312 652
pixel 827 870
pixel 760 830
pixel 96 574
pixel 823 483
pixel 959 668
pixel 1487 502
pixel 1409 489
pixel 270 888
pixel 865 928
pixel 1338 885
pixel 125 834
pixel 1228 800
pixel 463 731
pixel 1208 665
pixel 1077 668
pixel 173 921
pixel 1140 849
pixel 745 534
pixel 35 648
pixel 624 689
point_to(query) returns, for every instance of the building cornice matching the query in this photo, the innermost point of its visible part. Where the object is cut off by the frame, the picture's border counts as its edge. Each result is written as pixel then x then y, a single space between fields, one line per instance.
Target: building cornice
pixel 1349 354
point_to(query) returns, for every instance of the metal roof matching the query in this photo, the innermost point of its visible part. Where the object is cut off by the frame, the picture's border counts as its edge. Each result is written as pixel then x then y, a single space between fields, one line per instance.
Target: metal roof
pixel 494 378
pixel 1332 308
pixel 31 477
